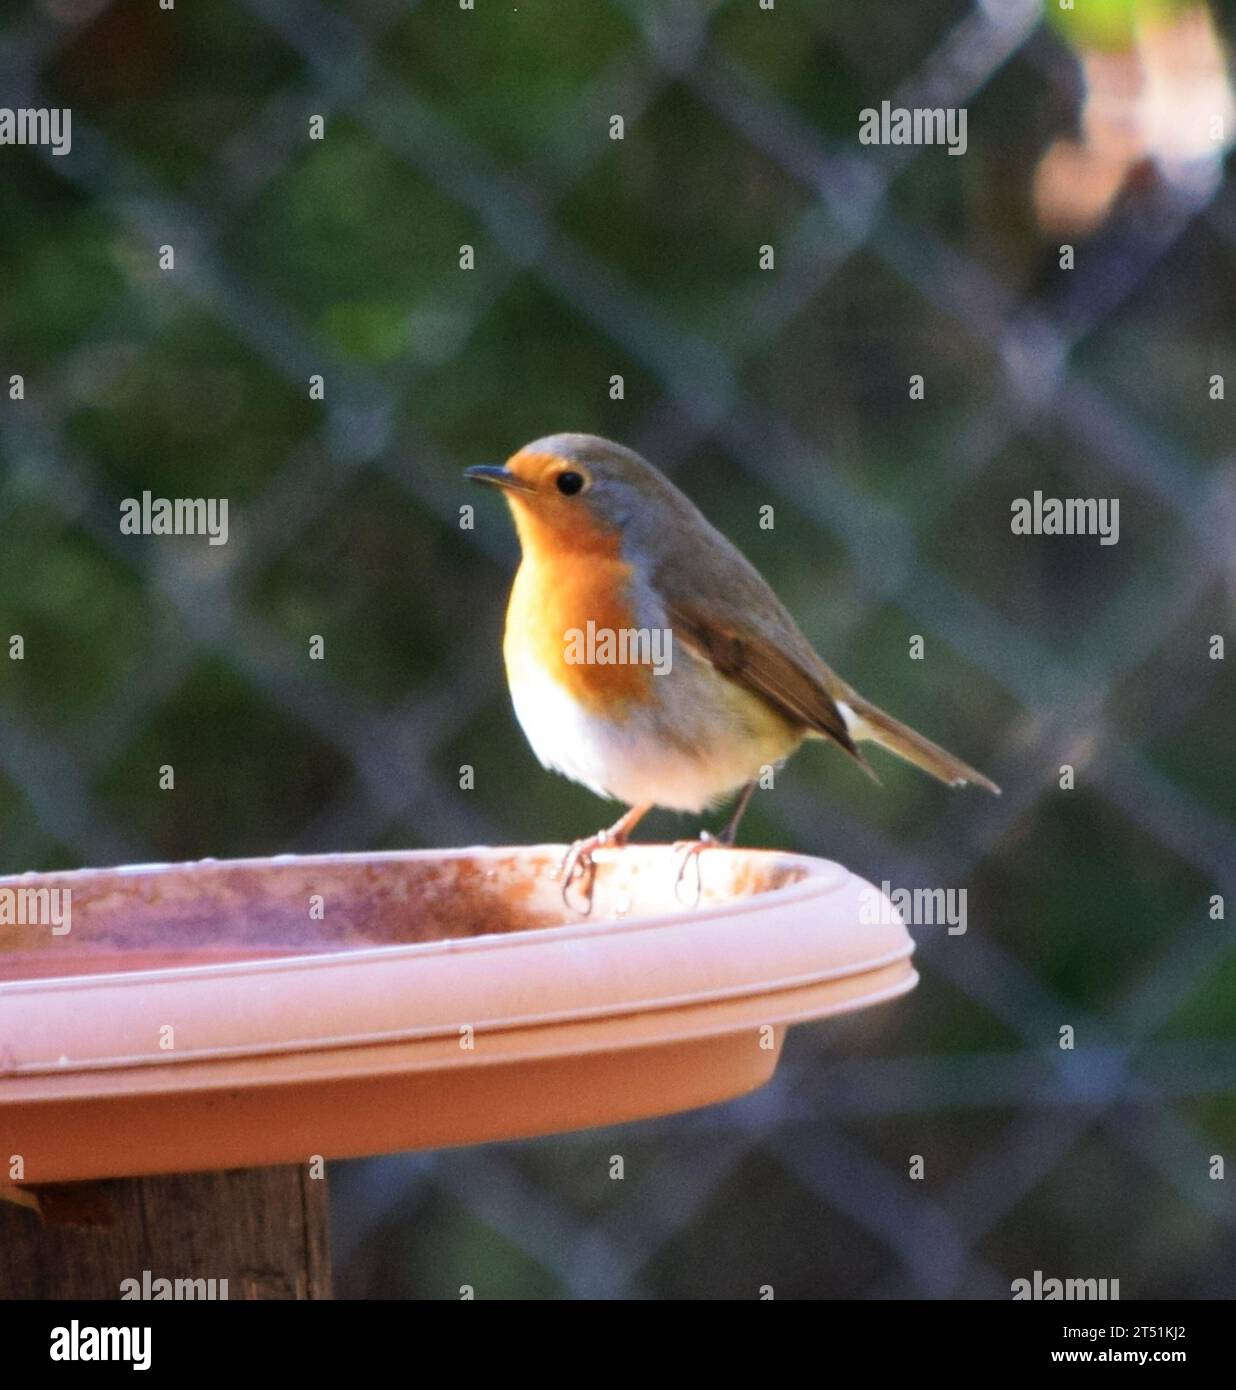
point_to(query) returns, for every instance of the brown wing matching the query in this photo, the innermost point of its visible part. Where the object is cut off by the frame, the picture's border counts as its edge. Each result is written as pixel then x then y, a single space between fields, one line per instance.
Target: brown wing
pixel 742 628
pixel 790 686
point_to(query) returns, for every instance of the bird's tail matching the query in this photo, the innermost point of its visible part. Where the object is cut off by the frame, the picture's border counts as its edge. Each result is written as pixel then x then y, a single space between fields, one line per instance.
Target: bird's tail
pixel 867 722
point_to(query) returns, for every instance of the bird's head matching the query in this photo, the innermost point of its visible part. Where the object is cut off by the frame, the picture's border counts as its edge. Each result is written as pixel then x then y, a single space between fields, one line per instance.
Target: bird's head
pixel 578 492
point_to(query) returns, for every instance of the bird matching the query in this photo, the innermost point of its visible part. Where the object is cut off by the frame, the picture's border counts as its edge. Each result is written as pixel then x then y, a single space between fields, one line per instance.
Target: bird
pixel 650 661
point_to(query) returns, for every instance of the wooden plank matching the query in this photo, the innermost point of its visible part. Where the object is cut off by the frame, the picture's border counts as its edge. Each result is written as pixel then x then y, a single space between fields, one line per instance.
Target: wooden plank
pixel 264 1230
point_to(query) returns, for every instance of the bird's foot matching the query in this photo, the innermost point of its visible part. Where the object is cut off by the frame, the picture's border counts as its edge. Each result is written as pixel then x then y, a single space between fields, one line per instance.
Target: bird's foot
pixel 578 863
pixel 689 852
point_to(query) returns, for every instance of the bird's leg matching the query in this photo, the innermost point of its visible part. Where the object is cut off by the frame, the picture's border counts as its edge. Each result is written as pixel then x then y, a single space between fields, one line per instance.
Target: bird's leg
pixel 690 850
pixel 730 833
pixel 577 861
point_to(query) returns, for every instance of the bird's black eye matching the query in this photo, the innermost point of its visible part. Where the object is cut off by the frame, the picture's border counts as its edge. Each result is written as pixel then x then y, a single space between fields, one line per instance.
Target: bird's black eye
pixel 570 483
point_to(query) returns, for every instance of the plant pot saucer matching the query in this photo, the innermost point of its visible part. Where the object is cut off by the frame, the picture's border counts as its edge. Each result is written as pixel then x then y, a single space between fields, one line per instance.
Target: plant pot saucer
pixel 238 1013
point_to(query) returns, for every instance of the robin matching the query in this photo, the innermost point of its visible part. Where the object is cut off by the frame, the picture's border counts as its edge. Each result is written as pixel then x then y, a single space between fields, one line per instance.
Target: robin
pixel 649 660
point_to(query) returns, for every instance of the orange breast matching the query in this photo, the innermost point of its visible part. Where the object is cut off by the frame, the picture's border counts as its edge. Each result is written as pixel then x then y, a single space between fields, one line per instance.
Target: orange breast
pixel 556 595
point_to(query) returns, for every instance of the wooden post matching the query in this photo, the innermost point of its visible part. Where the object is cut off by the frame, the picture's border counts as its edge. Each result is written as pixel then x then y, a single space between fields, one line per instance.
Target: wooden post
pixel 264 1230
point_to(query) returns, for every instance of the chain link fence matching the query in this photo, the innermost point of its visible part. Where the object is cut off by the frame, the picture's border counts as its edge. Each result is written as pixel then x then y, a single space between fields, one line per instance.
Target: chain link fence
pixel 596 258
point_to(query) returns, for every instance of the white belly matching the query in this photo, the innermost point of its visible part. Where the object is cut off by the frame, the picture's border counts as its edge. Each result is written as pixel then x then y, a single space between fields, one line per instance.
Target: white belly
pixel 702 738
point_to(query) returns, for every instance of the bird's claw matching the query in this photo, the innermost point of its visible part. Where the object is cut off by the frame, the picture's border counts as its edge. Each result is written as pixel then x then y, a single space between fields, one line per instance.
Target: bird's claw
pixel 578 862
pixel 689 852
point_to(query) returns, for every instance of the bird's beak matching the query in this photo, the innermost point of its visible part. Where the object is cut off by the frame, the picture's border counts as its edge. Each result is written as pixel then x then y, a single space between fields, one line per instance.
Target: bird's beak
pixel 500 477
